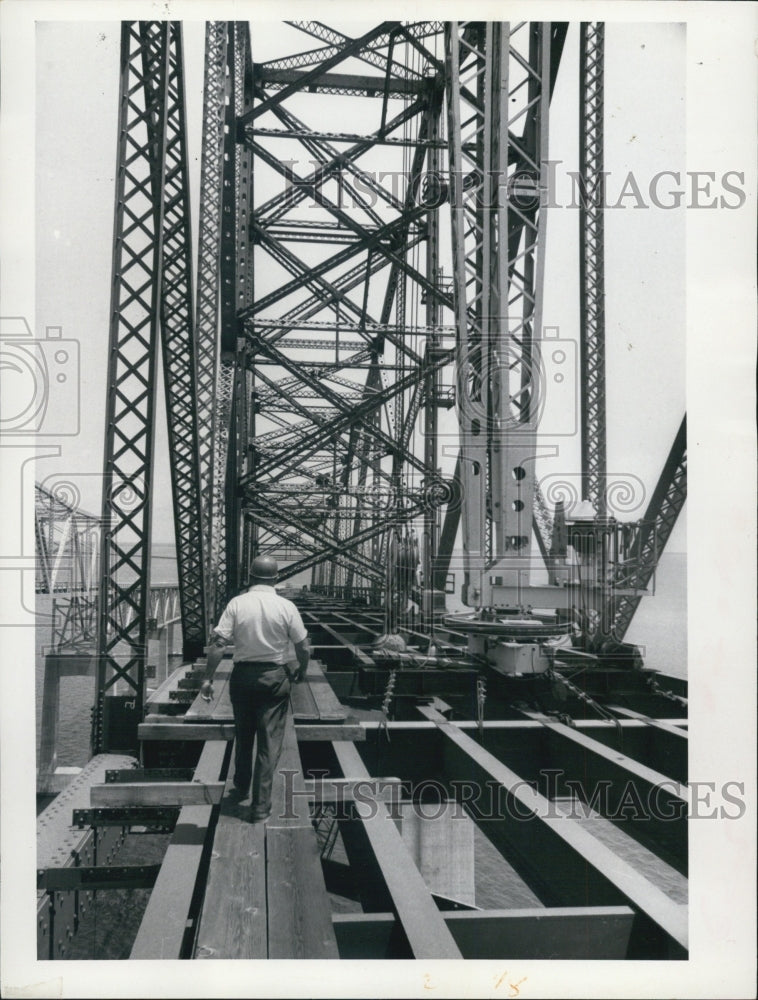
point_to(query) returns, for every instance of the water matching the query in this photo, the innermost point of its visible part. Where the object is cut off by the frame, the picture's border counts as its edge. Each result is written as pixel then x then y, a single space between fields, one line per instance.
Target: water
pixel 77 694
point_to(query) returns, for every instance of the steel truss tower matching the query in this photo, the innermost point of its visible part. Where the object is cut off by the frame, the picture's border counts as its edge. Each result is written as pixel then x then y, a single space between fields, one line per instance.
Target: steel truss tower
pixel 371 253
pixel 340 359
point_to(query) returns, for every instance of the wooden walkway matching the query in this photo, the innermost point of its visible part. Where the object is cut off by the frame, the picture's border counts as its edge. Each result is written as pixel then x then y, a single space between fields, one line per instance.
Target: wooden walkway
pixel 265 895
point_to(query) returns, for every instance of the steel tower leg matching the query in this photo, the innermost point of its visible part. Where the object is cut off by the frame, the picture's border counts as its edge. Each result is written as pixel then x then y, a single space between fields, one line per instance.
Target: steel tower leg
pixel 592 264
pixel 498 78
pixel 130 402
pixel 179 359
pixel 151 281
pixel 207 311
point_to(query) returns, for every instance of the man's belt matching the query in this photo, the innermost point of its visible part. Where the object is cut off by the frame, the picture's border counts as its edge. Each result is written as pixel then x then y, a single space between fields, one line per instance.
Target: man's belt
pixel 259 664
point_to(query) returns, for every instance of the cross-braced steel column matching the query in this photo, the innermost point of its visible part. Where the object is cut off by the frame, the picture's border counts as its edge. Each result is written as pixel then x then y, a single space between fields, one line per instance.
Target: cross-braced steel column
pixel 151 281
pixel 207 312
pixel 130 401
pixel 179 364
pixel 592 264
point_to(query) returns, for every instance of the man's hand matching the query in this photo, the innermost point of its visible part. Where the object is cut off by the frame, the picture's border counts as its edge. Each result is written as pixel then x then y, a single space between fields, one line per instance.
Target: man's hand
pixel 295 674
pixel 206 690
pixel 303 653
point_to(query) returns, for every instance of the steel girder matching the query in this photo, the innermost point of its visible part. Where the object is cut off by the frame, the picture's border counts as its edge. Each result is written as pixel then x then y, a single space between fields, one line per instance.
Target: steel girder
pixel 592 264
pixel 499 80
pixel 151 281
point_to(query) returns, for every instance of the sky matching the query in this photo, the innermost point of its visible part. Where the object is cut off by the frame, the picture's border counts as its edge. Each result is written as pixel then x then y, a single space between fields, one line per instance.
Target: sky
pixel 77 93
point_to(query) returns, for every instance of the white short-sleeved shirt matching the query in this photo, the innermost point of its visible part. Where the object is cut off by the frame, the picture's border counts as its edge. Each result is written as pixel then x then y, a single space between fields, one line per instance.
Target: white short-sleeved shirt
pixel 261 624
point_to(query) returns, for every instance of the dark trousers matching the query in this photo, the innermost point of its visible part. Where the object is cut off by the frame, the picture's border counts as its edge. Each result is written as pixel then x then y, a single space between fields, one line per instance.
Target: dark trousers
pixel 259 699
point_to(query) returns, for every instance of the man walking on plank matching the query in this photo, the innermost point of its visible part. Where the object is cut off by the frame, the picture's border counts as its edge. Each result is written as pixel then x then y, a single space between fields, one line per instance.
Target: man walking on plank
pixel 260 624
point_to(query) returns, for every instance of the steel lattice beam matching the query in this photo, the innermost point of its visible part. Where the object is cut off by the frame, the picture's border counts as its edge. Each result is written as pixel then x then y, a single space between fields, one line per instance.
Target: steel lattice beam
pixel 208 270
pixel 179 354
pixel 592 264
pixel 305 80
pixel 319 434
pixel 130 400
pixel 151 283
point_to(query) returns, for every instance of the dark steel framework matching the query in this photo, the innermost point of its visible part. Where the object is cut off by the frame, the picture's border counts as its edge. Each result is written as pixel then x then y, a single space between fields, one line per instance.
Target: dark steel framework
pixel 304 407
pixel 151 291
pixel 342 365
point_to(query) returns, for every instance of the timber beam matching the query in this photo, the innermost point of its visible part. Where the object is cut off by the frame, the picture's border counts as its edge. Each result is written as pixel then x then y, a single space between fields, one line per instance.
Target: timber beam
pixel 169 920
pixel 164 728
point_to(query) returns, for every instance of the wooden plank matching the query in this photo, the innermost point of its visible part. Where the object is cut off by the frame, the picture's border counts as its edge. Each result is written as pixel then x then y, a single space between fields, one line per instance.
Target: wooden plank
pixel 219 708
pixel 329 706
pixel 350 732
pixel 582 932
pixel 552 851
pixel 164 730
pixel 234 915
pixel 164 924
pixel 157 793
pixel 149 730
pixel 266 895
pixel 426 931
pixel 312 699
pixel 299 917
pixel 289 803
pixel 304 708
